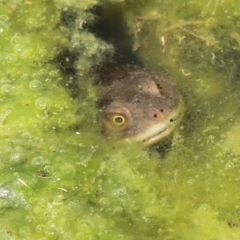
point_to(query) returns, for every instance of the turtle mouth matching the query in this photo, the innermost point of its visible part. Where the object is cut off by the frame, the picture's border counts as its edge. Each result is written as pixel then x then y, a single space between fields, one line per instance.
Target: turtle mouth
pixel 162 129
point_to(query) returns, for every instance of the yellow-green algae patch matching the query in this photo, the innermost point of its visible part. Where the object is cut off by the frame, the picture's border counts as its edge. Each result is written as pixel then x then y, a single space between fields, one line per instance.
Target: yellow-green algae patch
pixel 60 179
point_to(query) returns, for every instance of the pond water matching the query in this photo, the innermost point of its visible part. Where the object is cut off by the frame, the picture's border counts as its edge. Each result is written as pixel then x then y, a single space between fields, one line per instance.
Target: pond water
pixel 61 179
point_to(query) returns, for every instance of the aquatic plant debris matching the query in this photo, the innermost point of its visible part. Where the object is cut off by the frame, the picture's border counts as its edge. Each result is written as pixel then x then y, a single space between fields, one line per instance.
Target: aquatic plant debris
pixel 56 169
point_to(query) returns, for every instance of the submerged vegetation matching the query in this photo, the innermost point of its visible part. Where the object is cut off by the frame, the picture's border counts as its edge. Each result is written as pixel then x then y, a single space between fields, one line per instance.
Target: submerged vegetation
pixel 60 179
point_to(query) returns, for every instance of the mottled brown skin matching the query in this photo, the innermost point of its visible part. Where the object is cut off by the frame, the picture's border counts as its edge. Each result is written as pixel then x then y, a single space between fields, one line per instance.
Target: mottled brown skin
pixel 140 105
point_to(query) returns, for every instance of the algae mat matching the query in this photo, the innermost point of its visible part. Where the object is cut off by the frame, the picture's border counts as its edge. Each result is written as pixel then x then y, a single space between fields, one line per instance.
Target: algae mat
pixel 60 179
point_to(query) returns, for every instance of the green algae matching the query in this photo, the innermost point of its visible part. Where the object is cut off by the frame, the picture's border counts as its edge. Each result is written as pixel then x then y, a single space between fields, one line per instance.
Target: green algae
pixel 60 179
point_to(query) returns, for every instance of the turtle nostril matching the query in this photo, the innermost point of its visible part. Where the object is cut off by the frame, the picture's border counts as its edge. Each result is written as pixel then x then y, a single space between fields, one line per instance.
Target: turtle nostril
pixel 161 110
pixel 155 115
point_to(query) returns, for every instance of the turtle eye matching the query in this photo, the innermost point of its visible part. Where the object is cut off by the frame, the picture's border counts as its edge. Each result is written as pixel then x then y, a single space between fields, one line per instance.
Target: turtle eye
pixel 116 122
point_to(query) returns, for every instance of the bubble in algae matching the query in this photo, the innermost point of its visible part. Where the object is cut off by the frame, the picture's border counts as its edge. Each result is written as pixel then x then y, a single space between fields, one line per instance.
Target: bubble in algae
pixel 118 210
pixel 30 219
pixel 11 58
pixel 103 201
pixel 53 73
pixel 26 136
pixel 41 52
pixel 40 228
pixel 18 48
pixel 24 232
pixel 230 165
pixel 211 138
pixel 38 161
pixel 204 207
pixel 68 169
pixel 7 89
pixel 4 192
pixel 31 22
pixel 181 127
pixel 58 200
pixel 119 192
pixel 54 149
pixel 35 84
pixel 42 102
pixel 191 182
pixel 3 23
pixel 17 157
pixel 85 223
